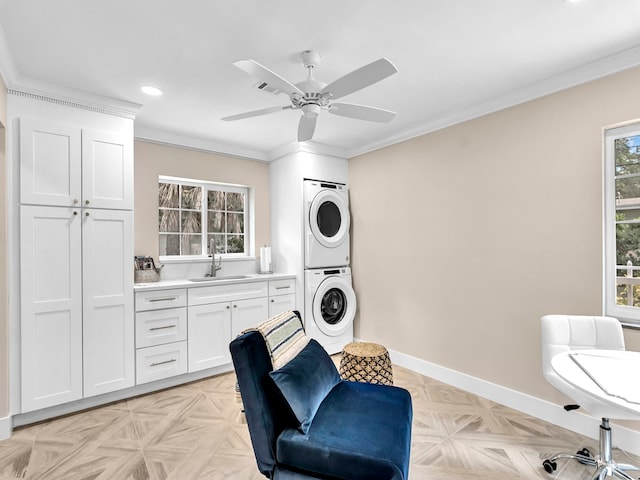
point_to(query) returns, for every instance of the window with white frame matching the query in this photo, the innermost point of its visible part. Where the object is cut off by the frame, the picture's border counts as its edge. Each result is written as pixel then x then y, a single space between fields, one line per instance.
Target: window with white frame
pixel 192 213
pixel 622 222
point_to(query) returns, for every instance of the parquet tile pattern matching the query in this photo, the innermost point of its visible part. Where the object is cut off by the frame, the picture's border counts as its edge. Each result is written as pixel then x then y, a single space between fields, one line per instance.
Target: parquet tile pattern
pixel 195 432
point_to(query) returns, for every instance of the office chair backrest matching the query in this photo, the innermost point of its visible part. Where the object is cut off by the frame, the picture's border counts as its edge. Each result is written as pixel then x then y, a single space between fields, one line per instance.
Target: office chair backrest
pixel 266 411
pixel 561 333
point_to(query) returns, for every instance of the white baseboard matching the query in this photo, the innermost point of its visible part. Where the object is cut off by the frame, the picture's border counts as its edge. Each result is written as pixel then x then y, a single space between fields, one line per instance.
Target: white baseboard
pixel 6 427
pixel 579 422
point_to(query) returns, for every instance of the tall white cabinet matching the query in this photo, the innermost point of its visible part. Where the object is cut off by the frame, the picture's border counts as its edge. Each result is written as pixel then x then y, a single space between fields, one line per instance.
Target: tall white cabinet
pixel 76 251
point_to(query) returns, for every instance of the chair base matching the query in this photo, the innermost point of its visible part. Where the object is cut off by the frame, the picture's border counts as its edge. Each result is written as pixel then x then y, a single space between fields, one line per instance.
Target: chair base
pixel 604 464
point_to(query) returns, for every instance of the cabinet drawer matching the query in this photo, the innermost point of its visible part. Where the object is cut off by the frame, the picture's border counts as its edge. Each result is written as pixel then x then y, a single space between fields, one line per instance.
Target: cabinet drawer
pixel 226 293
pixel 157 299
pixel 282 287
pixel 161 361
pixel 157 327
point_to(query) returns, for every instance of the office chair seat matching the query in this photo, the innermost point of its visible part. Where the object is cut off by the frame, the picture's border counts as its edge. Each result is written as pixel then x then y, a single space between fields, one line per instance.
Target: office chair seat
pixel 564 333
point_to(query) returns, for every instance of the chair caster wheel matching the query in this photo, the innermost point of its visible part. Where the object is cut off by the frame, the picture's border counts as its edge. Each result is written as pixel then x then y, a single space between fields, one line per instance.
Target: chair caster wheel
pixel 549 466
pixel 585 453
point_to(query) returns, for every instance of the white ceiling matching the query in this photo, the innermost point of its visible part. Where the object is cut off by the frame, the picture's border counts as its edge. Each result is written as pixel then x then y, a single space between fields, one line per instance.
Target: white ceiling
pixel 457 59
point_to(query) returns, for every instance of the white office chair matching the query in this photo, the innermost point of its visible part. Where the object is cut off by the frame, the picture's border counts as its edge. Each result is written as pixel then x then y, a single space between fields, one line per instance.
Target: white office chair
pixel 562 333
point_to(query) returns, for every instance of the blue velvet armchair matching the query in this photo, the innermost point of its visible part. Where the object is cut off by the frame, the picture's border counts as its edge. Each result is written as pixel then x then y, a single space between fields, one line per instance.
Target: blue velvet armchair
pixel 306 423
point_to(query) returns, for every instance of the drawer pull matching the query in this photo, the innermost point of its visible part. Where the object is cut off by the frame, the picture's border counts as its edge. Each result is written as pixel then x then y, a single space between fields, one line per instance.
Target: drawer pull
pixel 155 364
pixel 162 328
pixel 163 299
pixel 287 287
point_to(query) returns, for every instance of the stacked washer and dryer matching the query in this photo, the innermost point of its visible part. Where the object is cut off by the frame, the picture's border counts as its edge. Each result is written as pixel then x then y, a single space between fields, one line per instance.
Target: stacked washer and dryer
pixel 329 298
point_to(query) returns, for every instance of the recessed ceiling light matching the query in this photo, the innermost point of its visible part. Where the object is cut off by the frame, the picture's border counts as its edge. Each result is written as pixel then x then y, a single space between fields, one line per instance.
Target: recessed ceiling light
pixel 151 91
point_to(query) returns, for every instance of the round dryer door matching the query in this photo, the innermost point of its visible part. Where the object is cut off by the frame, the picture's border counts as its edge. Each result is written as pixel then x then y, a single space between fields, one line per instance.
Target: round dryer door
pixel 329 218
pixel 334 306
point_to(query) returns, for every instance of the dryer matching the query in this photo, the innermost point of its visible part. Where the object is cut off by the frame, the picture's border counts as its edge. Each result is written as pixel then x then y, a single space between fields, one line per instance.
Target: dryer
pixel 330 307
pixel 326 224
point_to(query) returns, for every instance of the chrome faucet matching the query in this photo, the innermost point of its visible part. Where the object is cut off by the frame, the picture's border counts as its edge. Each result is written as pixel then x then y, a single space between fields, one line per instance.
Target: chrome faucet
pixel 215 266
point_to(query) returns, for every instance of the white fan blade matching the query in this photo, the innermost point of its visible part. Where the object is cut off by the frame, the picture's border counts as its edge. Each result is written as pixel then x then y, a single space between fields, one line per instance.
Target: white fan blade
pixel 255 113
pixel 306 127
pixel 362 112
pixel 265 75
pixel 360 78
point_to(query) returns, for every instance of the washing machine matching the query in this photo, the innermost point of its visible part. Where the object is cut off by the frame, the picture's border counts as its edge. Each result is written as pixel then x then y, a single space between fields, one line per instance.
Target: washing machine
pixel 326 224
pixel 330 307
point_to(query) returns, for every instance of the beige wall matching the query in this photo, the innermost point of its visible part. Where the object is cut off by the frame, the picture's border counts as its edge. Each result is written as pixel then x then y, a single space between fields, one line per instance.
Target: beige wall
pixel 4 314
pixel 152 160
pixel 464 237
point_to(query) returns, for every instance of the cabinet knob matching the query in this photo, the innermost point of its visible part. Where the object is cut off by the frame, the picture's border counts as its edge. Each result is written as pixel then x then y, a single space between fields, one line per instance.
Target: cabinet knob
pixel 86 214
pixel 75 201
pixel 273 300
pixel 228 307
pixel 235 306
pixel 86 202
pixel 75 213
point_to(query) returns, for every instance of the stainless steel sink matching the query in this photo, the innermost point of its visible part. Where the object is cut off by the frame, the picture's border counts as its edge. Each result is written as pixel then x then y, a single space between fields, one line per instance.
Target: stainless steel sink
pixel 217 279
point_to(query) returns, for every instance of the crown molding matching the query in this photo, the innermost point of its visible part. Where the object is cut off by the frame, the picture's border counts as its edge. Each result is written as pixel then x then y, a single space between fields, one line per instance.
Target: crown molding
pixel 571 78
pixel 307 147
pixel 173 139
pixel 35 89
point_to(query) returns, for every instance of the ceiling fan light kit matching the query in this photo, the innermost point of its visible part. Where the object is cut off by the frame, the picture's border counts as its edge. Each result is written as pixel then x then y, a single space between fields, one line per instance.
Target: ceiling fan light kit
pixel 311 96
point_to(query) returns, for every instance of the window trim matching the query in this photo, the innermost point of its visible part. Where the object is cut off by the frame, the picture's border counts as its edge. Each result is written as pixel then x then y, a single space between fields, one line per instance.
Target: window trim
pixel 626 314
pixel 249 221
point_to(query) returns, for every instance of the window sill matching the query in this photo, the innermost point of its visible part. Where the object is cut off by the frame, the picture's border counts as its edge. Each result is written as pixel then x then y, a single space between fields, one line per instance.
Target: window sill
pixel 174 260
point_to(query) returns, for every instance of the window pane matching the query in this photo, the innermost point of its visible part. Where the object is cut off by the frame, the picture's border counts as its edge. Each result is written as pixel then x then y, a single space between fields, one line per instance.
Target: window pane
pixel 191 222
pixel 235 223
pixel 215 200
pixel 191 197
pixel 628 188
pixel 220 244
pixel 169 220
pixel 191 244
pixel 216 222
pixel 628 215
pixel 235 202
pixel 235 244
pixel 170 244
pixel 168 195
pixel 627 155
pixel 627 244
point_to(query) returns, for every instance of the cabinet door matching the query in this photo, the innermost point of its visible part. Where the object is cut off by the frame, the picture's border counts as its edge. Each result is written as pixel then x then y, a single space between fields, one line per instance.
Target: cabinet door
pixel 107 170
pixel 281 303
pixel 209 335
pixel 51 306
pixel 50 163
pixel 248 313
pixel 108 319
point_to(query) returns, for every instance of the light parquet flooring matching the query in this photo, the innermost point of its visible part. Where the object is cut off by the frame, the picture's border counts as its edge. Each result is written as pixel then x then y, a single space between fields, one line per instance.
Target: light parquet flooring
pixel 195 432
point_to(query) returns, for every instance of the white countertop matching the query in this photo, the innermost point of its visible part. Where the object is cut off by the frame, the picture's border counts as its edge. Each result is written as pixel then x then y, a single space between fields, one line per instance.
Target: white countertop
pixel 186 283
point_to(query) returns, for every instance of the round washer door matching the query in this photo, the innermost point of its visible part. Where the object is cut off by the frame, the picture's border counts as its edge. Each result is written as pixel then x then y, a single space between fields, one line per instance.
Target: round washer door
pixel 329 218
pixel 334 306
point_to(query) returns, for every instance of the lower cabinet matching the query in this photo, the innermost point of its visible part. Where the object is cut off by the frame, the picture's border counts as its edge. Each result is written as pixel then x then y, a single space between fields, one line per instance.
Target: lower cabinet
pixel 161 334
pixel 76 292
pixel 186 330
pixel 212 326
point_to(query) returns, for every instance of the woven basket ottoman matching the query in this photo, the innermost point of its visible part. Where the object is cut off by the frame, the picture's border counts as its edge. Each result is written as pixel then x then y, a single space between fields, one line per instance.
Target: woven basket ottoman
pixel 366 362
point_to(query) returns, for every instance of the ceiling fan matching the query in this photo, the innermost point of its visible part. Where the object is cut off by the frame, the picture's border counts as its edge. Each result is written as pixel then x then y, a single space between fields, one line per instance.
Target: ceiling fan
pixel 311 96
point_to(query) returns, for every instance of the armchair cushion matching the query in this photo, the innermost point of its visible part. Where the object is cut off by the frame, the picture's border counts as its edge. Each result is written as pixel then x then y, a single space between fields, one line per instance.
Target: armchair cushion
pixel 305 381
pixel 353 436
